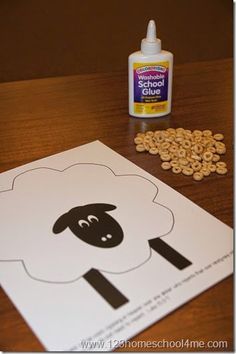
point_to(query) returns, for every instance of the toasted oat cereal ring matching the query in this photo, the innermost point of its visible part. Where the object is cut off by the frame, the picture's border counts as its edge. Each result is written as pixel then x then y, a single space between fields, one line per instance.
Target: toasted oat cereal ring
pixel 175 144
pixel 157 133
pixel 173 149
pixel 183 162
pixel 205 171
pixel 157 145
pixel 154 139
pixel 219 145
pixel 209 143
pixel 153 151
pixel 211 149
pixel 221 151
pixel 196 139
pixel 149 133
pixel 189 159
pixel 182 153
pixel 164 151
pixel 188 153
pixel 196 166
pixel 207 132
pixel 165 145
pixel 186 144
pixel 187 171
pixel 179 130
pixel 138 140
pixel 165 134
pixel 221 164
pixel 212 168
pixel 197 132
pixel 176 169
pixel 165 157
pixel 198 176
pixel 179 135
pixel 141 135
pixel 174 163
pixel 206 163
pixel 221 170
pixel 170 139
pixel 160 138
pixel 171 130
pixel 218 137
pixel 146 145
pixel 188 131
pixel 215 158
pixel 152 144
pixel 179 139
pixel 187 136
pixel 207 156
pixel 147 139
pixel 198 149
pixel 166 165
pixel 196 157
pixel 174 156
pixel 204 141
pixel 140 148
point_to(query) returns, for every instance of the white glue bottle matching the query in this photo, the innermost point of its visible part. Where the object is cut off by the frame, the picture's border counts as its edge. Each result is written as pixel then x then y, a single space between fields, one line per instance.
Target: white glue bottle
pixel 150 78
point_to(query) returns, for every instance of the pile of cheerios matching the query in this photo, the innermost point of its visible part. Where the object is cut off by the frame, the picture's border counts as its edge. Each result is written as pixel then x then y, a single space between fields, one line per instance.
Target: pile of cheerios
pixel 194 153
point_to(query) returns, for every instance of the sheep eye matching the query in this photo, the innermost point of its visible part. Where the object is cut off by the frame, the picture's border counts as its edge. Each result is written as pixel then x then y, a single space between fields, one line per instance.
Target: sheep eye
pixel 92 218
pixel 82 223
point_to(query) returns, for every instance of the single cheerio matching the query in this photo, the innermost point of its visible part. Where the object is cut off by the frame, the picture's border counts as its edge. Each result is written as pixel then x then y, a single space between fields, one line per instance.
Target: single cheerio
pixel 150 78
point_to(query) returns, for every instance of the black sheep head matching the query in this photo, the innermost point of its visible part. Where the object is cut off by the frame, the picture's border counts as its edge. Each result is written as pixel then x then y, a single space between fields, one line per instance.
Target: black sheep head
pixel 92 224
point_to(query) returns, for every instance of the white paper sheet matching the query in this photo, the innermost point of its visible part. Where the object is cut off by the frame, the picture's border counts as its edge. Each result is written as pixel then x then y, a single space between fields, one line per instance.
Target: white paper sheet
pixel 93 249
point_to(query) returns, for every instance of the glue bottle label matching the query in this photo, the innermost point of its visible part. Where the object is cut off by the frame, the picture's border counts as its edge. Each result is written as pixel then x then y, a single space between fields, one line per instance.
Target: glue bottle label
pixel 151 87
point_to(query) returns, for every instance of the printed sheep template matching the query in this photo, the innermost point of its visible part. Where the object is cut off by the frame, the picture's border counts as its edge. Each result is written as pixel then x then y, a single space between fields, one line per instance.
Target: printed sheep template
pixel 86 221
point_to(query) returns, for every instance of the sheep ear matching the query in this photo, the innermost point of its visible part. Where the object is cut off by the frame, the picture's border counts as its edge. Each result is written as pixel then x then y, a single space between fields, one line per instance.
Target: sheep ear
pixel 103 207
pixel 61 224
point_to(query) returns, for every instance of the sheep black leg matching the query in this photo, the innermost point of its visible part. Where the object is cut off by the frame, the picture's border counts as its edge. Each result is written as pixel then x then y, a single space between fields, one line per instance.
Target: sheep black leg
pixel 169 253
pixel 112 295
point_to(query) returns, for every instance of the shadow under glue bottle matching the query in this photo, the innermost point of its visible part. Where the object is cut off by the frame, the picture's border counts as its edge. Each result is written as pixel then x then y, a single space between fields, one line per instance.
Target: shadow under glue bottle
pixel 150 78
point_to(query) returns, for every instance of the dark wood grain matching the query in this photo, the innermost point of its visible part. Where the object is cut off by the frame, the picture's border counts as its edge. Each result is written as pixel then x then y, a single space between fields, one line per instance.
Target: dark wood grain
pixel 61 37
pixel 43 117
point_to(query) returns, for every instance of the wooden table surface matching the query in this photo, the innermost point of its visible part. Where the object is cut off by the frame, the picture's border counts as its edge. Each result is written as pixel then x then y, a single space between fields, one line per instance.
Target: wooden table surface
pixel 43 117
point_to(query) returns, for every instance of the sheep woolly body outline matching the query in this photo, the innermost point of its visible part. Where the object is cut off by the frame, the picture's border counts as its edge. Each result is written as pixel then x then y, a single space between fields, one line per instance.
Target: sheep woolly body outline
pixel 98 269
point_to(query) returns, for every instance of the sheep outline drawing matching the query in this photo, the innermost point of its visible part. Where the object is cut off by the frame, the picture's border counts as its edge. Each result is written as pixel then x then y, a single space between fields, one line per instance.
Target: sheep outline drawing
pixel 73 214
